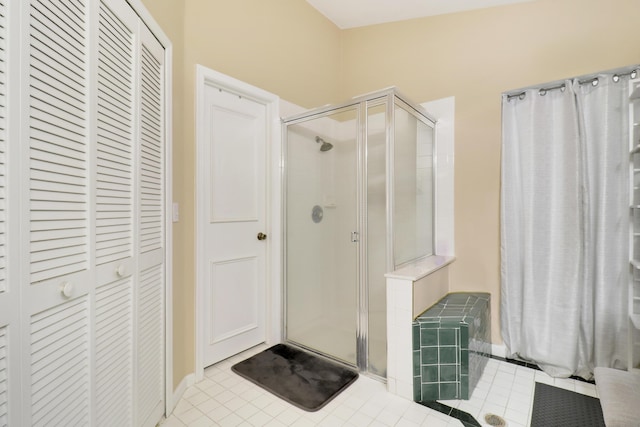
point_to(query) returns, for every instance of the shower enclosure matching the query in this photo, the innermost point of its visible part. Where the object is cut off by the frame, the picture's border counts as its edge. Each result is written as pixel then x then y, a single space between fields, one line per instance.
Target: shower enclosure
pixel 359 202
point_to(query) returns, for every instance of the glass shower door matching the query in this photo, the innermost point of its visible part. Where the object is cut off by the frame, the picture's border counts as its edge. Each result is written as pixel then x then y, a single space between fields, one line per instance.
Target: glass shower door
pixel 321 216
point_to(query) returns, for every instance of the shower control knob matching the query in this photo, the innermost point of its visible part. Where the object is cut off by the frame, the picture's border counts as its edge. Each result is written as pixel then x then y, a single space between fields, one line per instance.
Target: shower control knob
pixel 262 236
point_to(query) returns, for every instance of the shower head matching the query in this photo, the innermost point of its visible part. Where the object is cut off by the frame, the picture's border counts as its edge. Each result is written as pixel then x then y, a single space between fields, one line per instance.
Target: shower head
pixel 326 146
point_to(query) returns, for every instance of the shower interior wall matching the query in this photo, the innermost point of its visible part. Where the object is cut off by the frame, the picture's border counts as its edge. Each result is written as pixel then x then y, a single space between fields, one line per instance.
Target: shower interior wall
pixel 327 303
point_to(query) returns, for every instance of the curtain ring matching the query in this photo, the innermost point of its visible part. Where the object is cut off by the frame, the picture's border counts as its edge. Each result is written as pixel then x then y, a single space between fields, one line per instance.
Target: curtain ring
pixel 634 74
pixel 542 92
pixel 616 78
pixel 522 96
pixel 595 81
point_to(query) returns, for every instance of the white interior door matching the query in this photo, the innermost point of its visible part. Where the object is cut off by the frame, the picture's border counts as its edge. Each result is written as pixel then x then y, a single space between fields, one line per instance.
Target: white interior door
pixel 234 263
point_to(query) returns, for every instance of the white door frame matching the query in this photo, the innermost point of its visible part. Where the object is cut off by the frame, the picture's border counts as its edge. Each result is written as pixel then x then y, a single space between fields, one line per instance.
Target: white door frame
pixel 207 77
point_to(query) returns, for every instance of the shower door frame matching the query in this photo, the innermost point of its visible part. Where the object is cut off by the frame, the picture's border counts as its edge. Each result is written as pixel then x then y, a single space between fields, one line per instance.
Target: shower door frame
pixel 301 118
pixel 388 98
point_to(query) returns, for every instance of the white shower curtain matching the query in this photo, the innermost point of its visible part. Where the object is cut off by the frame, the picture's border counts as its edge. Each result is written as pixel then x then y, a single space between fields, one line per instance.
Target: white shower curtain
pixel 564 226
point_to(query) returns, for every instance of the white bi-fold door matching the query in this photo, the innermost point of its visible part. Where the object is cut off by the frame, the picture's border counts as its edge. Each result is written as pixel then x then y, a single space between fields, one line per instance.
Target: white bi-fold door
pixel 82 227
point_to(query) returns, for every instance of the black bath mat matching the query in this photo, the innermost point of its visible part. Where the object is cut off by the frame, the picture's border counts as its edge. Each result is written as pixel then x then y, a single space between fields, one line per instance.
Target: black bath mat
pixel 553 406
pixel 301 378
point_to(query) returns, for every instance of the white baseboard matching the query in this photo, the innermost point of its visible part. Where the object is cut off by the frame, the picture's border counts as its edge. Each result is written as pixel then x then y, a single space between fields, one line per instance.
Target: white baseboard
pixel 186 382
pixel 499 350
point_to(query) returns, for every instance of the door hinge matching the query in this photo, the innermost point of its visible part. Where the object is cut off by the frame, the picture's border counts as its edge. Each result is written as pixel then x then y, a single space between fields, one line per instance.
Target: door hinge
pixel 355 237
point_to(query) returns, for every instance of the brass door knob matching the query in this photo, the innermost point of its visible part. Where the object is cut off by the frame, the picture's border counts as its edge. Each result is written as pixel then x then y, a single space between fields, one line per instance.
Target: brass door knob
pixel 262 236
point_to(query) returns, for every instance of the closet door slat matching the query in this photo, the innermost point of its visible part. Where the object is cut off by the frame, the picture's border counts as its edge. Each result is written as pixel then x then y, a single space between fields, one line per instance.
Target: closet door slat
pixel 58 218
pixel 4 374
pixel 151 161
pixel 60 364
pixel 3 159
pixel 151 230
pixel 150 340
pixel 58 134
pixel 114 238
pixel 115 137
pixel 114 354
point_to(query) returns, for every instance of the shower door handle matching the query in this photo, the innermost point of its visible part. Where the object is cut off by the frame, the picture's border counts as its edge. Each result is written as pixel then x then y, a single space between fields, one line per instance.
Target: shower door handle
pixel 262 236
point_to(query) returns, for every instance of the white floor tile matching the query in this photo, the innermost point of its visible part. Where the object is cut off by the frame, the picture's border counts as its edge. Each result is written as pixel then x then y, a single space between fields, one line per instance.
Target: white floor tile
pixel 219 413
pixel 224 398
pixel 191 415
pixel 202 422
pixel 360 419
pixel 331 420
pixel 586 388
pixel 565 383
pixel 230 420
pixel 209 405
pixel 407 423
pixel 259 419
pixel 289 416
pixel 183 406
pixel 172 421
pixel 388 418
pixel 247 411
pixel 517 416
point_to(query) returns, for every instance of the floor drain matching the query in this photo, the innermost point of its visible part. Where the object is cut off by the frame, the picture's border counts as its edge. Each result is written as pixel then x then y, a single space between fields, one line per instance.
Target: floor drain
pixel 495 420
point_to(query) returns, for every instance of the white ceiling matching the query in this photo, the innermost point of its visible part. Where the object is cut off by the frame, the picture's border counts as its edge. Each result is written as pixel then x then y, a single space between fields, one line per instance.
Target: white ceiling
pixel 358 13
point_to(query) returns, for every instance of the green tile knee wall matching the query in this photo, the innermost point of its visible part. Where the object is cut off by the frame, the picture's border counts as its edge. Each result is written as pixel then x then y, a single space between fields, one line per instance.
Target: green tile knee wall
pixel 451 346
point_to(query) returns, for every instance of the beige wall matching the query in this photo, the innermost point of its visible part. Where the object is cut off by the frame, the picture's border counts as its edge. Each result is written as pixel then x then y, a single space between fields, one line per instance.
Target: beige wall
pixel 475 56
pixel 282 46
pixel 286 47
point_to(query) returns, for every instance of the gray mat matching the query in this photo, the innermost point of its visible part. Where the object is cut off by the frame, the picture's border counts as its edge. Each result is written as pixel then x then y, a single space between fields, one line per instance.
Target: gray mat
pixel 553 406
pixel 299 377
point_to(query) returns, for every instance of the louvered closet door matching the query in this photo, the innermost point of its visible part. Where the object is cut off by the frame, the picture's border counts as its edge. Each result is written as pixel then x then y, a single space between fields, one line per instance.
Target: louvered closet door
pixel 151 233
pixel 9 290
pixel 114 245
pixel 93 253
pixel 56 294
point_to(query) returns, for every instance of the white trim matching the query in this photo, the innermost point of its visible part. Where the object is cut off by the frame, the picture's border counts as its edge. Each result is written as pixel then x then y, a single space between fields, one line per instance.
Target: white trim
pixel 444 111
pixel 156 30
pixel 186 382
pixel 499 350
pixel 206 76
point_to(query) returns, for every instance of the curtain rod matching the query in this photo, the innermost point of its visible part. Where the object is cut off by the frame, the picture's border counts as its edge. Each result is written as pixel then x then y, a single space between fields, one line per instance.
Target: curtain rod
pixel 593 81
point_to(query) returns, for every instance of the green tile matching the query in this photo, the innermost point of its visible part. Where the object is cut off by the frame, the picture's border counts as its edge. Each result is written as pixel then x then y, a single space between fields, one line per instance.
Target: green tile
pixel 464 387
pixel 447 336
pixel 417 389
pixel 416 363
pixel 464 362
pixel 450 323
pixel 429 355
pixel 464 336
pixel 416 335
pixel 430 392
pixel 448 355
pixel 451 312
pixel 429 337
pixel 429 325
pixel 448 373
pixel 448 391
pixel 430 374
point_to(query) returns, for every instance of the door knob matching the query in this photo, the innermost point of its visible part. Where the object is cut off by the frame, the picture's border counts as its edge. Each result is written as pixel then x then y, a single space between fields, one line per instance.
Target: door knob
pixel 262 236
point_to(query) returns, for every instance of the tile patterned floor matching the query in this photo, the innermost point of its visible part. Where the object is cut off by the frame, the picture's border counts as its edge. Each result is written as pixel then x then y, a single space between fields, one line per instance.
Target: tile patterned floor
pixel 225 399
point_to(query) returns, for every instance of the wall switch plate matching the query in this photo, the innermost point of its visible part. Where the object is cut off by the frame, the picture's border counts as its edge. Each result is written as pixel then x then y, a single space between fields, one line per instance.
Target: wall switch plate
pixel 175 213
